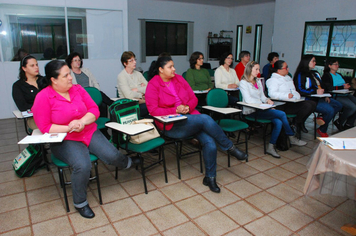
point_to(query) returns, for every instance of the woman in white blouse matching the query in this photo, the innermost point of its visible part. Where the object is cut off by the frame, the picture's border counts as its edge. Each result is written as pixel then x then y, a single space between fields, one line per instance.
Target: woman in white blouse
pixel 252 92
pixel 225 76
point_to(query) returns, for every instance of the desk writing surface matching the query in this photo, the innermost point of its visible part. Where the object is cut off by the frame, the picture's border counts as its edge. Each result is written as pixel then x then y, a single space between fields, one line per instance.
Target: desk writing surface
pixel 341 91
pixel 294 100
pixel 200 91
pixel 260 106
pixel 231 89
pixel 43 138
pixel 321 95
pixel 22 114
pixel 166 119
pixel 129 129
pixel 223 110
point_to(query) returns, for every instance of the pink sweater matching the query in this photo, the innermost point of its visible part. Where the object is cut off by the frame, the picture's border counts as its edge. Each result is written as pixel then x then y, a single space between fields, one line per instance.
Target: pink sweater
pixel 51 108
pixel 160 101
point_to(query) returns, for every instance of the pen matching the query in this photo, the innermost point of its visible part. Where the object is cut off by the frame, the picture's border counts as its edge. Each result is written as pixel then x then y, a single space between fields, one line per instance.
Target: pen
pixel 343 144
pixel 72 130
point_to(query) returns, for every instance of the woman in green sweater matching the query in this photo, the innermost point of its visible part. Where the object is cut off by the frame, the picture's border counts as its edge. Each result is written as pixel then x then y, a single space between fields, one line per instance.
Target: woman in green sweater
pixel 198 77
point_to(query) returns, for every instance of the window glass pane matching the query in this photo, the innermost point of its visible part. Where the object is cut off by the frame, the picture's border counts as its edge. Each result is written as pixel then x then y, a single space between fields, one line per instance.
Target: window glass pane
pixel 258 38
pixel 37 30
pixel 343 40
pixel 239 30
pixel 97 34
pixel 166 37
pixel 316 39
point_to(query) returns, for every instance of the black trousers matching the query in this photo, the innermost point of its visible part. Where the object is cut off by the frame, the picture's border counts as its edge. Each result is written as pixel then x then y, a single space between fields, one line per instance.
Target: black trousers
pixel 301 109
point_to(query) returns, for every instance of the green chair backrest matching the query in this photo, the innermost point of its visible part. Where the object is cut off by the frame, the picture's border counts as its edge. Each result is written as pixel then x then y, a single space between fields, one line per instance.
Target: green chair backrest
pixel 184 74
pixel 145 74
pixel 217 98
pixel 95 95
pixel 211 72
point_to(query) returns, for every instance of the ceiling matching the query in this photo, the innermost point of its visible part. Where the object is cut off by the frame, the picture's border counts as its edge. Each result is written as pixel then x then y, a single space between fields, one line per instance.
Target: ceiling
pixel 224 3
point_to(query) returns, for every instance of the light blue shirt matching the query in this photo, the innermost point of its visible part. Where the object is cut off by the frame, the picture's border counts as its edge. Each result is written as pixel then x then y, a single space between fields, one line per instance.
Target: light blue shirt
pixel 337 80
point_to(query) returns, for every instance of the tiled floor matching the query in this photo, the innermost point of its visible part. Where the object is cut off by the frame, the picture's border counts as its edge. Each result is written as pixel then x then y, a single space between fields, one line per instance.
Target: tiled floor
pixel 261 197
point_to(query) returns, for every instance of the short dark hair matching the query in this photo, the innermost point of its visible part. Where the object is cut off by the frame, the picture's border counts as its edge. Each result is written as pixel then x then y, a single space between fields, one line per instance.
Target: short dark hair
pixel 194 58
pixel 276 66
pixel 272 55
pixel 243 53
pixel 70 58
pixel 223 57
pixel 126 56
pixel 328 63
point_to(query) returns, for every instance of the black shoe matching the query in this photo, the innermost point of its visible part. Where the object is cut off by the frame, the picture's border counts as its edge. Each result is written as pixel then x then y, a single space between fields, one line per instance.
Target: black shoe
pixel 237 153
pixel 211 182
pixel 135 160
pixel 86 211
pixel 232 135
pixel 338 125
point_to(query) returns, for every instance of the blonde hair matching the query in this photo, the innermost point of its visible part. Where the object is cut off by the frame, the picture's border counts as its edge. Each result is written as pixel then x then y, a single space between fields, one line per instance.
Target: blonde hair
pixel 248 71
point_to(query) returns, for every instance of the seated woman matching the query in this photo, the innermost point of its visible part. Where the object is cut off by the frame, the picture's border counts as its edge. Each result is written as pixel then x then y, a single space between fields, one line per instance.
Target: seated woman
pixel 252 92
pixel 62 107
pixel 85 78
pixel 281 86
pixel 308 82
pixel 272 58
pixel 131 83
pixel 332 80
pixel 197 77
pixel 168 93
pixel 25 89
pixel 226 78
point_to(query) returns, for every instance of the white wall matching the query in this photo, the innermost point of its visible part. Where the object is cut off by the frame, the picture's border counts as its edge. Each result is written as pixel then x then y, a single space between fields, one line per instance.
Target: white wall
pixel 252 15
pixel 206 18
pixel 289 19
pixel 105 70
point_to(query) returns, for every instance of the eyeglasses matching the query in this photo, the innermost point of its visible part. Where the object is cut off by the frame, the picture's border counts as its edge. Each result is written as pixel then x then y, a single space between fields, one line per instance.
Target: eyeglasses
pixel 202 58
pixel 131 60
pixel 284 68
pixel 335 64
pixel 77 60
pixel 230 58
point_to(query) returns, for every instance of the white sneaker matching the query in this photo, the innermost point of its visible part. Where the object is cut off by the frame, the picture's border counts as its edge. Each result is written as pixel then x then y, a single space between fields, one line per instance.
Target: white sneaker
pixel 272 151
pixel 294 141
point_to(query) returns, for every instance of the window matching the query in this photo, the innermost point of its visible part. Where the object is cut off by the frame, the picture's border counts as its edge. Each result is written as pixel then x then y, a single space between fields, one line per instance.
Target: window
pixel 258 39
pixel 239 32
pixel 159 36
pixel 332 39
pixel 53 32
pixel 166 37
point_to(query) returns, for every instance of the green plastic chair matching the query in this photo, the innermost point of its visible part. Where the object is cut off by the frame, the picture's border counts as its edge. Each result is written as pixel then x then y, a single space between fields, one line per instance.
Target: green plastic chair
pixel 211 72
pixel 145 74
pixel 218 98
pixel 263 122
pixel 95 94
pixel 61 165
pixel 184 74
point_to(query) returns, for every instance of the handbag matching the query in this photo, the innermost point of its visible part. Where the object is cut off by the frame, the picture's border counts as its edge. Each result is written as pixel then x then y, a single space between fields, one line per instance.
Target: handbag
pixel 28 161
pixel 146 136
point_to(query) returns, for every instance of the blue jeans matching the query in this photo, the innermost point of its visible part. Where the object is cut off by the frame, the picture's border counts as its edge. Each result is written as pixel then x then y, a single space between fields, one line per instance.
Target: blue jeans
pixel 233 100
pixel 328 111
pixel 278 119
pixel 349 113
pixel 76 155
pixel 207 131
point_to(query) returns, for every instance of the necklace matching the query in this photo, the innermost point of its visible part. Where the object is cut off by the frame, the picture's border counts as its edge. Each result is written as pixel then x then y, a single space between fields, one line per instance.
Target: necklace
pixel 167 83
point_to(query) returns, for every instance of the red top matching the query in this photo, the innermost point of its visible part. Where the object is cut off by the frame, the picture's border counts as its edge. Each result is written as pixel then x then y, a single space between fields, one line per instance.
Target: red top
pixel 51 108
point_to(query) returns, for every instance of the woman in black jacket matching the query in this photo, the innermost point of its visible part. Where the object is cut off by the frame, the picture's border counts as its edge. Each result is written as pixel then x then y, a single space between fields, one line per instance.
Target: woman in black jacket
pixel 332 80
pixel 308 82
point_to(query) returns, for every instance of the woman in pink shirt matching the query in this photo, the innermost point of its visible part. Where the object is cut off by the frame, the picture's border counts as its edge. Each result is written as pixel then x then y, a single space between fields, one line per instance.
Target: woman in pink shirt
pixel 168 93
pixel 61 107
